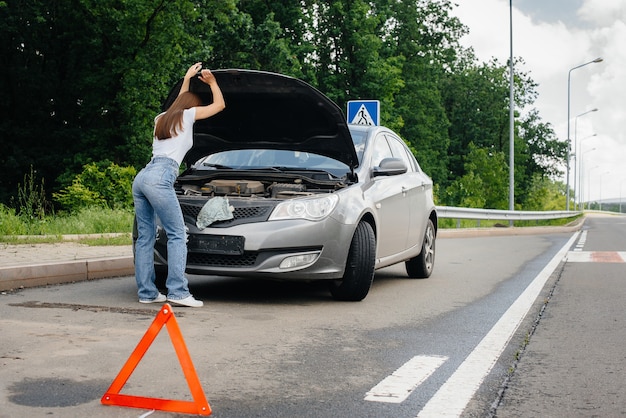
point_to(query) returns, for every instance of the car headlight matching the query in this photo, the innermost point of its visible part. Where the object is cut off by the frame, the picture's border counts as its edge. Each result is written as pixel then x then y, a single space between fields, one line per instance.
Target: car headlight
pixel 312 209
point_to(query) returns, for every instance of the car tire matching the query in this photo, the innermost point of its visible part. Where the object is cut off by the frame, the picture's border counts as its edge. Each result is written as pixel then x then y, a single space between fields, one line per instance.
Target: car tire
pixel 160 272
pixel 421 267
pixel 359 272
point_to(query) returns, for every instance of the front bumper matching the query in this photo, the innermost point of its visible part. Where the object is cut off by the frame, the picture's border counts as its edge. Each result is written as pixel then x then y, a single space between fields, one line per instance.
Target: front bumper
pixel 288 249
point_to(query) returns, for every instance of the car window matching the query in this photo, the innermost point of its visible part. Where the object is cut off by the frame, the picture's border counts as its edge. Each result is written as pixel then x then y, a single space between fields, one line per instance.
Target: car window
pixel 399 150
pixel 358 138
pixel 380 150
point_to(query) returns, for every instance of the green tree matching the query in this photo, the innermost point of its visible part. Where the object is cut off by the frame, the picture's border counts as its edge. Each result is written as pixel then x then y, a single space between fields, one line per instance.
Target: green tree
pixel 485 182
pixel 104 184
pixel 476 102
pixel 545 194
pixel 346 48
pixel 425 34
pixel 249 36
pixel 85 79
pixel 538 154
pixel 476 98
pixel 548 153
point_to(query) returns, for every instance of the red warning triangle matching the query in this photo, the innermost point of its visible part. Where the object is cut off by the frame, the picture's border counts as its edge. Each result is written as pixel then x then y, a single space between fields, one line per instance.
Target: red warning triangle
pixel 198 406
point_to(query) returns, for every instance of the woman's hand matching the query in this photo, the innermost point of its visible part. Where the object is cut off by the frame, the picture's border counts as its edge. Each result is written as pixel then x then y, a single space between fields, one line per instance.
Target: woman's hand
pixel 193 70
pixel 203 112
pixel 207 77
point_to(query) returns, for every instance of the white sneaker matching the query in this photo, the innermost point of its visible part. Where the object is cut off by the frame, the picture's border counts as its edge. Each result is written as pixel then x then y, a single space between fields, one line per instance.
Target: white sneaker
pixel 160 298
pixel 189 301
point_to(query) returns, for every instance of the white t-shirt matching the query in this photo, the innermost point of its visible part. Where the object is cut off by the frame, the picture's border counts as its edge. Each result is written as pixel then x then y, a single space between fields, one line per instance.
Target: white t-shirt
pixel 177 146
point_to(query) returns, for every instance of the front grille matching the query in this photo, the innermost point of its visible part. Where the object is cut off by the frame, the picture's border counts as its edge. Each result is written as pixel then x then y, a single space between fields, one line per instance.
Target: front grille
pixel 250 212
pixel 190 210
pixel 241 214
pixel 248 259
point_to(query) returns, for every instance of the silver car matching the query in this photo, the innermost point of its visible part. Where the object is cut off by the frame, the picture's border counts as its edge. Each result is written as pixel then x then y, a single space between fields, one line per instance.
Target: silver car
pixel 280 186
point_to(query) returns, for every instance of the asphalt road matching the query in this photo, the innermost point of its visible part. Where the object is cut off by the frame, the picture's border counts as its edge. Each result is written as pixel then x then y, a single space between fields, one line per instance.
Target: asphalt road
pixel 441 346
pixel 575 362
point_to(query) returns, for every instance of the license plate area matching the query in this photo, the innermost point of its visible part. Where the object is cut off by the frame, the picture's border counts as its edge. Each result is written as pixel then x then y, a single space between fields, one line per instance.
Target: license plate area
pixel 217 244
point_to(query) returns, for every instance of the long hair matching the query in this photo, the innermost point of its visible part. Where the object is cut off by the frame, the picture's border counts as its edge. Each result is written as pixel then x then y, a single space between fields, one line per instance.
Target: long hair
pixel 170 123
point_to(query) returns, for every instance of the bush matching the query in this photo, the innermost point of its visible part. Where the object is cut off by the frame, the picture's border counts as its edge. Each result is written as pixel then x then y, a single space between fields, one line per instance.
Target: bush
pixel 103 184
pixel 10 222
pixel 77 196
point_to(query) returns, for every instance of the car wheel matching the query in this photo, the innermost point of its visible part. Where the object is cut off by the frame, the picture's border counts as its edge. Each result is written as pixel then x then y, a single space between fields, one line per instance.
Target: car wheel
pixel 359 273
pixel 160 272
pixel 422 266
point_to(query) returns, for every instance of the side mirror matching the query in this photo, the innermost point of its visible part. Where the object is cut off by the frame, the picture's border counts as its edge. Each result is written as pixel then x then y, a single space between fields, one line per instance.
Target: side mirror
pixel 389 167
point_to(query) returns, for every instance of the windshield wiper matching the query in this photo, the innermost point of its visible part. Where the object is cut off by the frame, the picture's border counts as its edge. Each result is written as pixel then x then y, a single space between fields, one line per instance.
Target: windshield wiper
pixel 278 169
pixel 218 166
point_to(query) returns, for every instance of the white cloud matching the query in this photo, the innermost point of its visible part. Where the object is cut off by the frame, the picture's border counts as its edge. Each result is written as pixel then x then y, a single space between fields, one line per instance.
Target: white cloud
pixel 550 49
pixel 602 12
pixel 609 85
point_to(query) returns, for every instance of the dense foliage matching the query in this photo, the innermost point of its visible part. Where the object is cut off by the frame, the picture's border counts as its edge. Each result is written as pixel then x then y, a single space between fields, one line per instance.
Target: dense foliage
pixel 104 184
pixel 83 79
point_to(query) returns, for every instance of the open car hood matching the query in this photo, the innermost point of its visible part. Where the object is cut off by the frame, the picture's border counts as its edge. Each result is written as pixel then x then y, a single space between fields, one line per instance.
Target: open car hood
pixel 271 111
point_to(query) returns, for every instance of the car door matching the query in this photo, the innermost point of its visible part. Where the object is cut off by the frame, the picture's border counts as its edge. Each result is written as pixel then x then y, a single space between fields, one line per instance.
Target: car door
pixel 390 202
pixel 414 187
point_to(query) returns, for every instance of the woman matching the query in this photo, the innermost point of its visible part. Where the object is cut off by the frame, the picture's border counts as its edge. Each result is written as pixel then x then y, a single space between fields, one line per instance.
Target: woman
pixel 154 195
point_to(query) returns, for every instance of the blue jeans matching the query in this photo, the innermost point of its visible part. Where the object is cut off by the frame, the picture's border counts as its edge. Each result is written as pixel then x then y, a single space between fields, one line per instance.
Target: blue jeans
pixel 154 195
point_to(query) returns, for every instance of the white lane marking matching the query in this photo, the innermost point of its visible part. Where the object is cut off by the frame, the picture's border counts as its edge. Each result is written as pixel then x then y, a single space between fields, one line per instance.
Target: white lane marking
pixel 579 257
pixel 581 242
pixel 396 387
pixel 454 395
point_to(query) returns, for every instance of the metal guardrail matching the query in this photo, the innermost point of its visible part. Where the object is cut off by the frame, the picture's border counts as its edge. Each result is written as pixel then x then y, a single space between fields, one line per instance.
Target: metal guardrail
pixel 501 215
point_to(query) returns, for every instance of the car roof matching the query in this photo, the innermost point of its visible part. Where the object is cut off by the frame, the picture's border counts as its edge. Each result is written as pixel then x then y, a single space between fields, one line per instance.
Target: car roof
pixel 271 111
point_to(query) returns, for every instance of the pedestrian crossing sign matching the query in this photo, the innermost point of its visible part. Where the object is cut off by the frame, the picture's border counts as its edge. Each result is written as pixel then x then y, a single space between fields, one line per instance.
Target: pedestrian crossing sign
pixel 364 112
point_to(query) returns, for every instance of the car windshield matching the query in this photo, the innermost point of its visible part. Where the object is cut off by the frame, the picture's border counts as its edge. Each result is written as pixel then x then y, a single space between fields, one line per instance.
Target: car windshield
pixel 358 138
pixel 256 159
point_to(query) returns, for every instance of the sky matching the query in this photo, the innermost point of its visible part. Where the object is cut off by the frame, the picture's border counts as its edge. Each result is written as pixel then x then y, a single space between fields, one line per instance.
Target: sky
pixel 553 37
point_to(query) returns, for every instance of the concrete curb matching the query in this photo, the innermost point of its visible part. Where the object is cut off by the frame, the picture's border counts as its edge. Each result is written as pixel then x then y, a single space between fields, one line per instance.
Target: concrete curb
pixel 17 277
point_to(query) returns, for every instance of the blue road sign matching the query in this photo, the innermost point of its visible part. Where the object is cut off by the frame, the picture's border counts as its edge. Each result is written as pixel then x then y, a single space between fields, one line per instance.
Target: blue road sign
pixel 364 112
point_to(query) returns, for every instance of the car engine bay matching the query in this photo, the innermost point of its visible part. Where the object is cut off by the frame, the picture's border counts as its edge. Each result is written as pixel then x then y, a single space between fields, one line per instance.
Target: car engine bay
pixel 298 187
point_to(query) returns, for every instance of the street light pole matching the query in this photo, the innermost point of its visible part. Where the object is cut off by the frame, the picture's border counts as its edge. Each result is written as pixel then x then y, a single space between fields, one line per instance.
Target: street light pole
pixel 511 119
pixel 569 142
pixel 582 188
pixel 576 153
pixel 581 185
pixel 589 186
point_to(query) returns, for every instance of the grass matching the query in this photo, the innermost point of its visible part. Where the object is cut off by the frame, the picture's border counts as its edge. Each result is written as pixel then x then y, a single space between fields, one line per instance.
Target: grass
pixel 473 223
pixel 104 227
